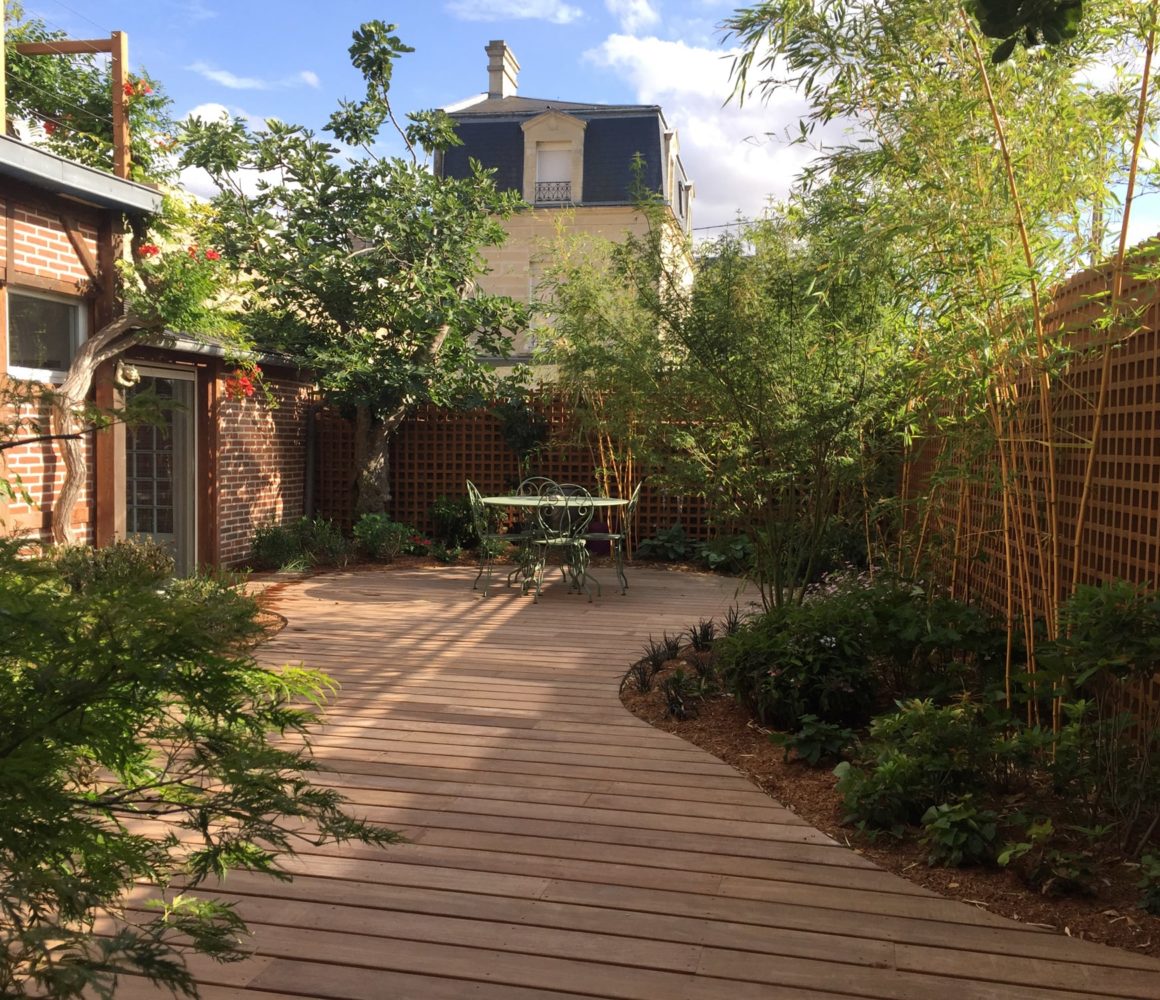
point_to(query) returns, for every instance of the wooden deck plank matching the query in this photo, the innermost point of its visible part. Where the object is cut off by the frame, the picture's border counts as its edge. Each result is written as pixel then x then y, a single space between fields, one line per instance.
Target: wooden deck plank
pixel 562 848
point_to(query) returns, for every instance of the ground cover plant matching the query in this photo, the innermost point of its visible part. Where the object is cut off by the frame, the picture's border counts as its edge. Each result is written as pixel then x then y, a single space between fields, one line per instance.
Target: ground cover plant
pixel 911 750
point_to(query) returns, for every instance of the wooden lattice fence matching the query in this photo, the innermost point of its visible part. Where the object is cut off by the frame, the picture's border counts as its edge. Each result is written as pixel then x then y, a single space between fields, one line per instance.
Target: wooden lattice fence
pixel 1121 534
pixel 436 450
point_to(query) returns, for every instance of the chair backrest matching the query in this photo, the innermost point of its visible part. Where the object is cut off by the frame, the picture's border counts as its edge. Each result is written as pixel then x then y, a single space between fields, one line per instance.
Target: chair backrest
pixel 536 486
pixel 478 510
pixel 630 508
pixel 565 512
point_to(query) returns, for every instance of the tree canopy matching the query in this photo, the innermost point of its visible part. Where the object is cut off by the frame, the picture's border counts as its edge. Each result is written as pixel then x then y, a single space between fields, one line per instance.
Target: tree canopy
pixel 364 266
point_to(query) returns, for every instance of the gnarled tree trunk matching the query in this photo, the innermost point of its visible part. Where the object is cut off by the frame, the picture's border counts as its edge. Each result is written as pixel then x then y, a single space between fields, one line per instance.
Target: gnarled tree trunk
pixel 67 413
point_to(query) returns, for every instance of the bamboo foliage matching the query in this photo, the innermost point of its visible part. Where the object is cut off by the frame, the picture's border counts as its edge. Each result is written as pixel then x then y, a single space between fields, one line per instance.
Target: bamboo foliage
pixel 991 184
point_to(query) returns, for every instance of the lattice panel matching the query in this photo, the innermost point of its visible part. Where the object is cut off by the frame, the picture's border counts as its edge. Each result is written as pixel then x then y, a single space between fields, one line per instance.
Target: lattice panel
pixel 334 469
pixel 1121 537
pixel 436 450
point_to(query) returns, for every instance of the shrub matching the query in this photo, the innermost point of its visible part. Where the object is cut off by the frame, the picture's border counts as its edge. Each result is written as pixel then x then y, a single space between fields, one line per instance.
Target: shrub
pixel 923 755
pixel 726 554
pixel 440 553
pixel 380 538
pixel 1047 862
pixel 669 545
pixel 1150 884
pixel 452 524
pixel 127 697
pixel 1108 758
pixel 815 741
pixel 960 833
pixel 795 661
pixel 275 547
pixel 320 541
pixel 138 562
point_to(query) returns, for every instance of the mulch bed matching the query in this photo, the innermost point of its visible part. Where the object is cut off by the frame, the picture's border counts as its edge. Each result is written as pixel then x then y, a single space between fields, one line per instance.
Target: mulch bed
pixel 725 729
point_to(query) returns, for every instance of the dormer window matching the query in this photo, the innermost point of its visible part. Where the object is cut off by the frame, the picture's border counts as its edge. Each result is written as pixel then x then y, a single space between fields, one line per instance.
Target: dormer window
pixel 554 159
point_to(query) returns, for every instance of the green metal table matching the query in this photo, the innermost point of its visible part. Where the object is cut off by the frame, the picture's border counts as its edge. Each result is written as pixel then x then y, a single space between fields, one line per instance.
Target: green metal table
pixel 531 563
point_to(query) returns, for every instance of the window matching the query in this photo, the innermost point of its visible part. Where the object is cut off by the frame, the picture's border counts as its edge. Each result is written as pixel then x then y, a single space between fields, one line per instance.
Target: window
pixel 553 172
pixel 43 333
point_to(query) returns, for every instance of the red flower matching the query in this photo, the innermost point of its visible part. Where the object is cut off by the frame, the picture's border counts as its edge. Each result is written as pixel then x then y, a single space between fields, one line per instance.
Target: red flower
pixel 148 250
pixel 212 255
pixel 128 88
pixel 143 87
pixel 241 384
pixel 49 127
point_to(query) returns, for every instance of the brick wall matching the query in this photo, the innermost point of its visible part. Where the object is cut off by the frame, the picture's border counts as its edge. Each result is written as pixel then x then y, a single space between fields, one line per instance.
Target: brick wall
pixel 261 465
pixel 41 474
pixel 43 259
pixel 43 248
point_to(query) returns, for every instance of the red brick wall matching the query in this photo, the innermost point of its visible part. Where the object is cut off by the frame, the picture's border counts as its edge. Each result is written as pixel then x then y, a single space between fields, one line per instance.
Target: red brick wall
pixel 41 474
pixel 43 259
pixel 261 465
pixel 43 248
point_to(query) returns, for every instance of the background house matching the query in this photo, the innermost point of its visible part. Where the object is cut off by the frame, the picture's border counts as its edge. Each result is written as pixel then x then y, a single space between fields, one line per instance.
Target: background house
pixel 562 157
pixel 217 468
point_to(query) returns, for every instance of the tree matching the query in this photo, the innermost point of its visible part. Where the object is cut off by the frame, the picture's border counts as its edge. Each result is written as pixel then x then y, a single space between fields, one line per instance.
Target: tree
pixel 70 99
pixel 761 388
pixel 364 269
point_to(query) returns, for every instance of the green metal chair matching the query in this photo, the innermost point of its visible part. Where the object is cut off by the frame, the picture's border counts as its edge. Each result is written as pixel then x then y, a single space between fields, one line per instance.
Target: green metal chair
pixel 489 539
pixel 563 516
pixel 617 539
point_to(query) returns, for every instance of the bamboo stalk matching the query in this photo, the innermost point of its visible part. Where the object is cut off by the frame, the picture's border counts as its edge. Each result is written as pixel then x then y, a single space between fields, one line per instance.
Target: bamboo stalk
pixel 1051 572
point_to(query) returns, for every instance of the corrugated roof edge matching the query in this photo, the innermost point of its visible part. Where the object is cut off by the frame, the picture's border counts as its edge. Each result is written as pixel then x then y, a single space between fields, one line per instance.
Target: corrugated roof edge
pixel 53 173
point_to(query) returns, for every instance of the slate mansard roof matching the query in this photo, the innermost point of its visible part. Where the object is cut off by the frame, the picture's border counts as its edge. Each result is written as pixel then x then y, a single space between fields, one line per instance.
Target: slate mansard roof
pixel 492 134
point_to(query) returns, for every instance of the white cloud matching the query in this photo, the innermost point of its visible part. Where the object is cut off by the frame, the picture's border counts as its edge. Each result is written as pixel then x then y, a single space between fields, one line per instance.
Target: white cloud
pixel 196 11
pixel 738 157
pixel 234 82
pixel 633 14
pixel 554 11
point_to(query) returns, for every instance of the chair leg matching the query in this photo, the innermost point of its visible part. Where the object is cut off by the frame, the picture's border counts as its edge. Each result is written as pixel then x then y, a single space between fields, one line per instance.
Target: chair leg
pixel 618 561
pixel 484 566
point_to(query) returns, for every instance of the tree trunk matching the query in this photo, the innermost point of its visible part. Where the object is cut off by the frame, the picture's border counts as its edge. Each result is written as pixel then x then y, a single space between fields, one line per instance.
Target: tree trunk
pixel 372 443
pixel 67 419
pixel 372 458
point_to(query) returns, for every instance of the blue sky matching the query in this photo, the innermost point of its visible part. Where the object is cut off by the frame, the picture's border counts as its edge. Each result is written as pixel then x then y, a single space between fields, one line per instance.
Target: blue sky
pixel 285 59
pixel 260 58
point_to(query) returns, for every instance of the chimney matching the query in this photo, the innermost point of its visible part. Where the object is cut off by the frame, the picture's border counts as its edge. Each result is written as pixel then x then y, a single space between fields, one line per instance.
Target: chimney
pixel 502 70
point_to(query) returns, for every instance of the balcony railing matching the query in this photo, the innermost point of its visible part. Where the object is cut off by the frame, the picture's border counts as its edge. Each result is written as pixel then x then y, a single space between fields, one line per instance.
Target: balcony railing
pixel 549 192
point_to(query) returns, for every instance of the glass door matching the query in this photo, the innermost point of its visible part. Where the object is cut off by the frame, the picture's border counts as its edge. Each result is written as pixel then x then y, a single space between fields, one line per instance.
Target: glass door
pixel 160 501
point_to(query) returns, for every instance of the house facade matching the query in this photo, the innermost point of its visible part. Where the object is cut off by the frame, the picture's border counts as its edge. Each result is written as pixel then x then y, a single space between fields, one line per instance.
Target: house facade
pixel 216 466
pixel 573 165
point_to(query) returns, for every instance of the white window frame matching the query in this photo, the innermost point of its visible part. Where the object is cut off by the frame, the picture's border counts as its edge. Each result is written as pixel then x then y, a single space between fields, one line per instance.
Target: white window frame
pixel 79 332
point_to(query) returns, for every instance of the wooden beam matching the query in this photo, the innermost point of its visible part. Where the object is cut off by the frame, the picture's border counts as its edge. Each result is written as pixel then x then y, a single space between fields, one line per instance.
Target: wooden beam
pixel 3 72
pixel 120 75
pixel 67 47
pixel 9 238
pixel 77 239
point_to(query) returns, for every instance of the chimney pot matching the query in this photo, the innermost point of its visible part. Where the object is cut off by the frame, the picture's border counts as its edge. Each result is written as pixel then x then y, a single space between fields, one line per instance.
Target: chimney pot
pixel 503 70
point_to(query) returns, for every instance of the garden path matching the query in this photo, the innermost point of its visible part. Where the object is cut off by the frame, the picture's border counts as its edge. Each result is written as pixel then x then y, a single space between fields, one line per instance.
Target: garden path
pixel 561 848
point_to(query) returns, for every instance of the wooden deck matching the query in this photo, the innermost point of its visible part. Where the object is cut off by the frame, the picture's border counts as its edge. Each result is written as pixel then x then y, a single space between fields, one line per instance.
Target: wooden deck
pixel 560 848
